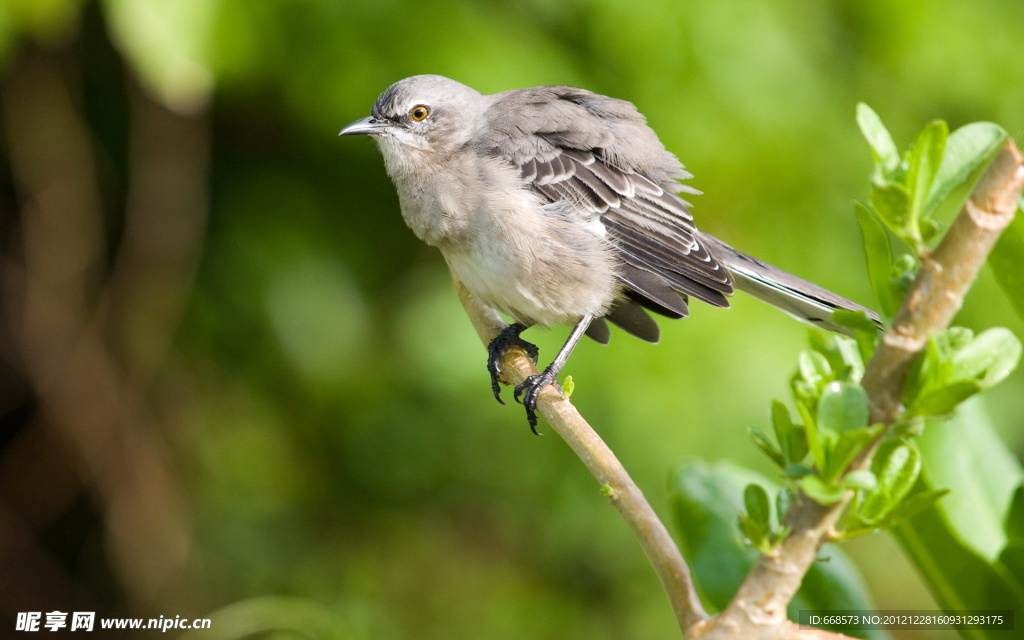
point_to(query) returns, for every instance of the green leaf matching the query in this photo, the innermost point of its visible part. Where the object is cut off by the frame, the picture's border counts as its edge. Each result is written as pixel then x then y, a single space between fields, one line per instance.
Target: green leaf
pixel 815 442
pixel 767 447
pixel 912 506
pixel 842 452
pixel 820 491
pixel 841 352
pixel 883 149
pixel 862 479
pixel 568 386
pixel 814 368
pixel 843 407
pixel 922 167
pixel 1007 262
pixel 944 399
pixel 896 466
pixel 705 501
pixel 956 365
pixel 792 438
pixel 756 536
pixel 756 523
pixel 908 427
pixel 988 358
pixel 797 470
pixel 1012 555
pixel 891 203
pixel 866 336
pixel 1015 519
pixel 755 498
pixel 931 228
pixel 783 499
pixel 806 394
pixel 931 370
pixel 968 151
pixel 966 455
pixel 878 253
pixel 847 348
pixel 856 320
pixel 956 338
pixel 904 272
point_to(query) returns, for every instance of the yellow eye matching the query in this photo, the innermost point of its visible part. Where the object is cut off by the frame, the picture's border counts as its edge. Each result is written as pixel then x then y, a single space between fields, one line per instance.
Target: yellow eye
pixel 419 112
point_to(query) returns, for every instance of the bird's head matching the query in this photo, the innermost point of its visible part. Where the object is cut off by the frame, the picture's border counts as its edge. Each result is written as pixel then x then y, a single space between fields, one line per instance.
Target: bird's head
pixel 430 113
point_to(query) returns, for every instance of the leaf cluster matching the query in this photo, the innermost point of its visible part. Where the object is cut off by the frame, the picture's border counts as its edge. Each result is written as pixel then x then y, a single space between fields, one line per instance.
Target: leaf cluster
pixel 909 190
pixel 815 451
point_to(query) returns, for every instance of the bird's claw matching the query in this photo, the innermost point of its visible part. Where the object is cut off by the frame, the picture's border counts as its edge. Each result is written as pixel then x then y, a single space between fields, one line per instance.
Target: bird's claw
pixel 508 337
pixel 530 389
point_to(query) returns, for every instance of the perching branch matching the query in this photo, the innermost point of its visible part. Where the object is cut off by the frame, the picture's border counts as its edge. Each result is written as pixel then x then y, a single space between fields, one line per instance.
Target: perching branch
pixel 602 463
pixel 758 611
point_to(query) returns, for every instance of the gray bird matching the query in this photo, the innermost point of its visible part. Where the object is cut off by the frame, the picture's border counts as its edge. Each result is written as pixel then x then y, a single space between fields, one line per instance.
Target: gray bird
pixel 556 205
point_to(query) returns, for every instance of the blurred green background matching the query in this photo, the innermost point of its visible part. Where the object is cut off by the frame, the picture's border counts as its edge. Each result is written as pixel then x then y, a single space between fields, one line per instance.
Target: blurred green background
pixel 228 370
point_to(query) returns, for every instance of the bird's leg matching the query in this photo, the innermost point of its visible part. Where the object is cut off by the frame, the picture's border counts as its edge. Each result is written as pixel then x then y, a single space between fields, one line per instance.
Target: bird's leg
pixel 508 337
pixel 530 388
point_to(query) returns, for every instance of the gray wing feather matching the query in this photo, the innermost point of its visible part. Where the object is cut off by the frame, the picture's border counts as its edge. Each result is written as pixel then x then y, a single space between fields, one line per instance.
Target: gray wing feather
pixel 658 295
pixel 597 154
pixel 630 317
pixel 598 331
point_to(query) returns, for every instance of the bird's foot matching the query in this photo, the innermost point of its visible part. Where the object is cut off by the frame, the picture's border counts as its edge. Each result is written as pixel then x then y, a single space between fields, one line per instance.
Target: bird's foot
pixel 529 389
pixel 508 337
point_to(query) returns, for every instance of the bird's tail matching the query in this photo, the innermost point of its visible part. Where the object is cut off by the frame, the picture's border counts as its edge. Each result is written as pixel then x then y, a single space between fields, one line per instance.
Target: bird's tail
pixel 784 291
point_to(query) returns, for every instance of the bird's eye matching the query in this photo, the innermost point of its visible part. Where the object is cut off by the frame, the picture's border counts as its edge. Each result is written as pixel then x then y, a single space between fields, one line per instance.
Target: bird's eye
pixel 419 112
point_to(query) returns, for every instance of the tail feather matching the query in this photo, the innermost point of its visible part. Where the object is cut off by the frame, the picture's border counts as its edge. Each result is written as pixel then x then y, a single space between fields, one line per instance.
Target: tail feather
pixel 784 291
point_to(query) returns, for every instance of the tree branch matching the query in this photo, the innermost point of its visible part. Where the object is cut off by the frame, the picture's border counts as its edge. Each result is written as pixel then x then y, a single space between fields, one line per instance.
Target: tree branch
pixel 758 611
pixel 602 463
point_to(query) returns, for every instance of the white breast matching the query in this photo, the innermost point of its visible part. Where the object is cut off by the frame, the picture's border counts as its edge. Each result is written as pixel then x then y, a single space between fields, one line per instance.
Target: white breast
pixel 538 265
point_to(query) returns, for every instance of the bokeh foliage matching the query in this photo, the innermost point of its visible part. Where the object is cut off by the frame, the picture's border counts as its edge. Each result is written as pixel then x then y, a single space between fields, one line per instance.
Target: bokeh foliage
pixel 292 361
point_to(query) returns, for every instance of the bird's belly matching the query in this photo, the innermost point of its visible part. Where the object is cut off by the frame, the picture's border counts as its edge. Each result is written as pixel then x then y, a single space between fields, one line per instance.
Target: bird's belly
pixel 543 284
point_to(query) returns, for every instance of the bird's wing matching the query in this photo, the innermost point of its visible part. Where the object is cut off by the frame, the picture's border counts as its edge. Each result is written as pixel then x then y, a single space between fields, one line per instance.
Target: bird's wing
pixel 596 158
